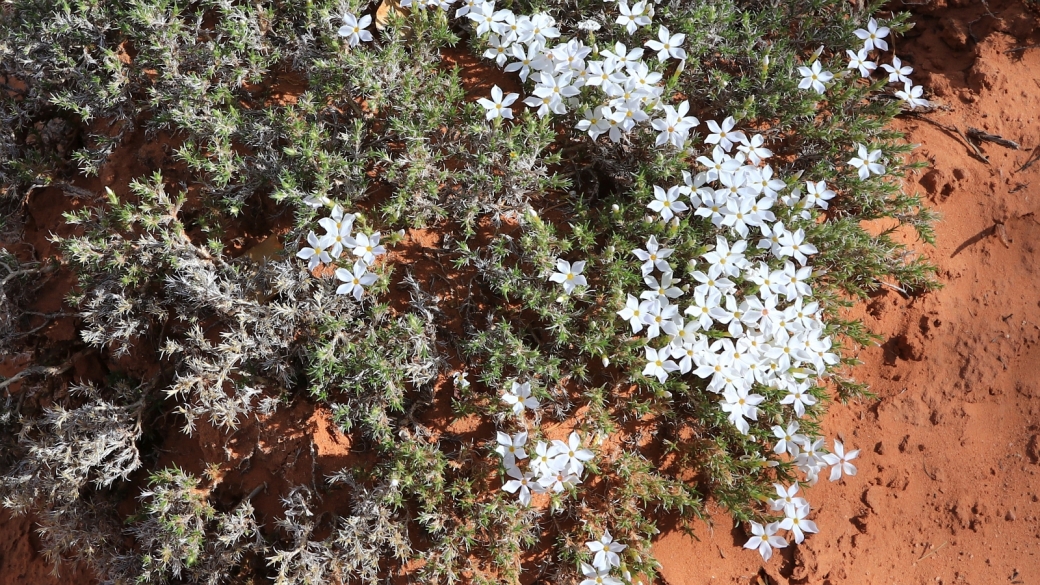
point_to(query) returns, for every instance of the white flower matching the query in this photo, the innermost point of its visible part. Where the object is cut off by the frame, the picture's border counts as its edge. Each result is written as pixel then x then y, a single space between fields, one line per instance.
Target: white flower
pixel 867 163
pixel 531 59
pixel 606 552
pixel 911 94
pixel 368 247
pixel 524 482
pixel 559 481
pixel 594 576
pixel 794 244
pixel 872 37
pixel 814 77
pixel 634 17
pixel 897 72
pixel 861 61
pixel 485 16
pixel 839 461
pixel 596 123
pixel 765 539
pixel 675 126
pixel 460 380
pixel 754 149
pixel 786 498
pixel 569 275
pixel 654 257
pixel 498 49
pixel 354 282
pixel 668 46
pixel 589 25
pixel 661 290
pixel 818 194
pixel 519 398
pixel 497 106
pixel 667 202
pixel 622 55
pixel 338 227
pixel 511 448
pixel 797 523
pixel 538 29
pixel 570 456
pixel 633 313
pixel 724 135
pixel 799 398
pixel 658 364
pixel 789 439
pixel 318 252
pixel 354 29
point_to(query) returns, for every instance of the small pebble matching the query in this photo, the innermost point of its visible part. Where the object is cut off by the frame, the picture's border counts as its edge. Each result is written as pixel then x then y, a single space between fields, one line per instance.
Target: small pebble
pixel 1010 516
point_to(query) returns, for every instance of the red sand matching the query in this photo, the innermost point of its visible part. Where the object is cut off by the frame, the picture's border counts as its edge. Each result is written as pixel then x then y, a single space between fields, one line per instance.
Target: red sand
pixel 947 489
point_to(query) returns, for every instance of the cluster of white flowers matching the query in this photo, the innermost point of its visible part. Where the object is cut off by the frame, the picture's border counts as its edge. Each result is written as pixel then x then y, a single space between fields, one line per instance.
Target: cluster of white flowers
pixel 873 36
pixel 795 508
pixel 631 91
pixel 338 237
pixel 554 467
pixel 772 338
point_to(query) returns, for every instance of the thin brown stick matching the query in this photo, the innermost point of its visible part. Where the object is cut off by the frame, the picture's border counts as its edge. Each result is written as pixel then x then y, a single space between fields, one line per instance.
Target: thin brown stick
pixel 933 551
pixel 976 134
pixel 953 130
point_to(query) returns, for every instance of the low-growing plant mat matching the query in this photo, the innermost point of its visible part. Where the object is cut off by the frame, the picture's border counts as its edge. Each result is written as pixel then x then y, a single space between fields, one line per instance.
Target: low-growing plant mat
pixel 947 488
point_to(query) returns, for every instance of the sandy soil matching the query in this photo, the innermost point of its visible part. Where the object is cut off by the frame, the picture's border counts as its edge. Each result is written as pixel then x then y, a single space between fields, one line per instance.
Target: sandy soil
pixel 947 489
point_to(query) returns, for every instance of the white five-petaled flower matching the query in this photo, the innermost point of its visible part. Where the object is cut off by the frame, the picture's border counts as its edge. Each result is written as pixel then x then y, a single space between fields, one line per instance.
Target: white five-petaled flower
pixel 911 94
pixel 354 283
pixel 569 275
pixel 667 203
pixel 872 36
pixel 797 523
pixel 368 247
pixel 354 29
pixel 498 105
pixel 765 539
pixel 814 77
pixel 668 46
pixel 338 226
pixel 897 72
pixel 511 448
pixel 654 257
pixel 606 551
pixel 786 496
pixel 788 439
pixel 524 482
pixel 861 60
pixel 318 251
pixel 675 126
pixel 634 17
pixel 839 461
pixel 570 455
pixel 594 576
pixel 658 363
pixel 724 135
pixel 519 398
pixel 867 162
